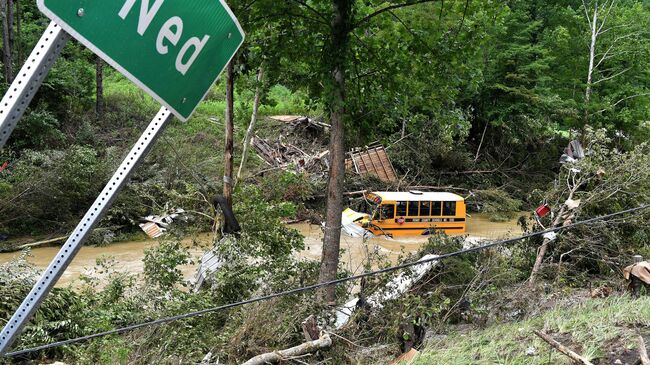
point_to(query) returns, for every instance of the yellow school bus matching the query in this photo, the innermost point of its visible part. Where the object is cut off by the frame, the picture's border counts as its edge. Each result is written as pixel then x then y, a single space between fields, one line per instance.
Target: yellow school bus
pixel 415 213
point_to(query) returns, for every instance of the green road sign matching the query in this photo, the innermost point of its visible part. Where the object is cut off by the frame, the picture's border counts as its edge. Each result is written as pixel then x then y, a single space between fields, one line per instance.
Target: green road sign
pixel 173 49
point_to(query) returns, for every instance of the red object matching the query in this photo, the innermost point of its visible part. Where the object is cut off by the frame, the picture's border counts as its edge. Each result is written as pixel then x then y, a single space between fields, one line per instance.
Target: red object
pixel 4 166
pixel 543 210
pixel 401 220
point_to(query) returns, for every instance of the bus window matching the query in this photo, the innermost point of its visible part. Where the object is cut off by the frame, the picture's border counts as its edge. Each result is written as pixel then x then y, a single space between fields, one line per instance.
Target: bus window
pixel 436 208
pixel 449 209
pixel 414 209
pixel 425 209
pixel 401 209
pixel 387 211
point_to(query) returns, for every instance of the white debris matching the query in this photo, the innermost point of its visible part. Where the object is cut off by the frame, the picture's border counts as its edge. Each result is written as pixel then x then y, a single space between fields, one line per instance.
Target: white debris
pixel 393 290
pixel 572 204
pixel 156 225
pixel 551 236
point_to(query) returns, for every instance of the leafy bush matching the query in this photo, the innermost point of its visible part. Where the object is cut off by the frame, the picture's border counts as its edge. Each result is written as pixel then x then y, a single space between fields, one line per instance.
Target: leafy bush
pixel 37 130
pixel 57 317
pixel 161 264
pixel 261 256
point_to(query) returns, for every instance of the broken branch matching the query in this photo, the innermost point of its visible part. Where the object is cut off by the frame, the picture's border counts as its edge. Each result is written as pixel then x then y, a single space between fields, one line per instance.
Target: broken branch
pixel 643 352
pixel 305 348
pixel 563 349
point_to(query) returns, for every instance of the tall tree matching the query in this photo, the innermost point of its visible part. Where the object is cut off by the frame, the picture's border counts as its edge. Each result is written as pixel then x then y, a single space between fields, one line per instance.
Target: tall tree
pixel 337 53
pixel 6 6
pixel 332 25
pixel 230 130
pixel 251 126
pixel 99 87
pixel 617 48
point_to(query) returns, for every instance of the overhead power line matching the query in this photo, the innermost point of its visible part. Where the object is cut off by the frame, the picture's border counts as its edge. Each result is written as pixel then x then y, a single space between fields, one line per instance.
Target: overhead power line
pixel 316 286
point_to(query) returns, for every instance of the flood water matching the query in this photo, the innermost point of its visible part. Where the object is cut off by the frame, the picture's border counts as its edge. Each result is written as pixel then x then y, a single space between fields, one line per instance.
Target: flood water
pixel 356 251
pixel 128 256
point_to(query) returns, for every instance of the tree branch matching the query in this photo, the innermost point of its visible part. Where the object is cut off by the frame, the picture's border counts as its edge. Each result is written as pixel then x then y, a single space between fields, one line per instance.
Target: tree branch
pixel 462 21
pixel 620 101
pixel 313 10
pixel 613 76
pixel 584 5
pixel 602 23
pixel 425 44
pixel 391 7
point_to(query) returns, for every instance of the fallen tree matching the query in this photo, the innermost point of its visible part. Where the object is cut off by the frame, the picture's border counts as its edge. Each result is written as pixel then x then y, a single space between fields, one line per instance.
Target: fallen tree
pixel 604 181
pixel 306 348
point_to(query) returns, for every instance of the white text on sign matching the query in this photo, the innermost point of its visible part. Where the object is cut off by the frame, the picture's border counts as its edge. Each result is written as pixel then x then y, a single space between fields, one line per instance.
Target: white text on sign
pixel 170 33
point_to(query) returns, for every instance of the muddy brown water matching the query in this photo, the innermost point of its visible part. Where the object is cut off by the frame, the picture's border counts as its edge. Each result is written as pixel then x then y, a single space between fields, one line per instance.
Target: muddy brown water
pixel 127 256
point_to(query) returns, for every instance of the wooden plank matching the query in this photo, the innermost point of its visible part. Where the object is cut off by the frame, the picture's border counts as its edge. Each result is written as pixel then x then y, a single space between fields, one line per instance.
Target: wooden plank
pixel 372 163
pixel 381 156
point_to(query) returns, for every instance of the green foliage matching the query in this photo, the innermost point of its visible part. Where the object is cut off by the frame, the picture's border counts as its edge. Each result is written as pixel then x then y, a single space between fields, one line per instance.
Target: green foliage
pixel 263 241
pixel 61 184
pixel 161 264
pixel 38 130
pixel 287 186
pixel 493 201
pixel 56 319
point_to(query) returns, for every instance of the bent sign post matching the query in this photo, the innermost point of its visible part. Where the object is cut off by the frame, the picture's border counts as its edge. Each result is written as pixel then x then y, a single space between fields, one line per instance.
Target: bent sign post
pixel 173 49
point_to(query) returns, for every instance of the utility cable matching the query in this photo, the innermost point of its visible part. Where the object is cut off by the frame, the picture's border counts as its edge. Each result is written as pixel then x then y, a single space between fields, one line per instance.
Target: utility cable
pixel 317 286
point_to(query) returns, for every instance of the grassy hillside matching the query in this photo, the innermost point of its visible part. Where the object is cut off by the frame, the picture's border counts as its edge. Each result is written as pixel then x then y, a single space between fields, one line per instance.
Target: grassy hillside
pixel 602 330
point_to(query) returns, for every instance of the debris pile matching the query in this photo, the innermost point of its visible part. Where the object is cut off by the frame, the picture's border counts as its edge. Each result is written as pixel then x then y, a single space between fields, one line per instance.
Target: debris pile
pixel 282 155
pixel 574 152
pixel 156 225
pixel 299 124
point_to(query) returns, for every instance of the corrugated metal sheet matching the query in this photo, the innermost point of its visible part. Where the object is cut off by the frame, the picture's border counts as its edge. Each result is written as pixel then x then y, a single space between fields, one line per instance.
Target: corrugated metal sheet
pixel 152 229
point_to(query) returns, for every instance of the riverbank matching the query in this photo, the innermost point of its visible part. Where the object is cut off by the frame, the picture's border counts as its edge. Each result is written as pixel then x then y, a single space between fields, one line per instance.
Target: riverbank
pixel 603 331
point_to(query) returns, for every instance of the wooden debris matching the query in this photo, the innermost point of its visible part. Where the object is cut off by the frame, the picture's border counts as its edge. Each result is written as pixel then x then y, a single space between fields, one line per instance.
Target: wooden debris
pixel 371 161
pixel 297 121
pixel 310 328
pixel 601 292
pixel 285 155
pixel 40 243
pixel 643 352
pixel 277 356
pixel 407 356
pixel 561 348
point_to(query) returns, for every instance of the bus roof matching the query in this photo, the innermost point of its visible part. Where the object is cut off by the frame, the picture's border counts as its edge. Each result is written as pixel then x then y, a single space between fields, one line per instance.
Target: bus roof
pixel 417 196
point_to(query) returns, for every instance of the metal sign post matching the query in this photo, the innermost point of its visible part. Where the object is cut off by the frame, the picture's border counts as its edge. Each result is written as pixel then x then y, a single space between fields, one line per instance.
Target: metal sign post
pixel 62 259
pixel 29 79
pixel 174 50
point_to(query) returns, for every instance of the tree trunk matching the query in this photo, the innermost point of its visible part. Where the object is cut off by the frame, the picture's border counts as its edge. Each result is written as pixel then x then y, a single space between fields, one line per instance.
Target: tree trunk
pixel 230 129
pixel 541 253
pixel 336 54
pixel 10 24
pixel 99 89
pixel 251 127
pixel 6 41
pixel 18 45
pixel 592 57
